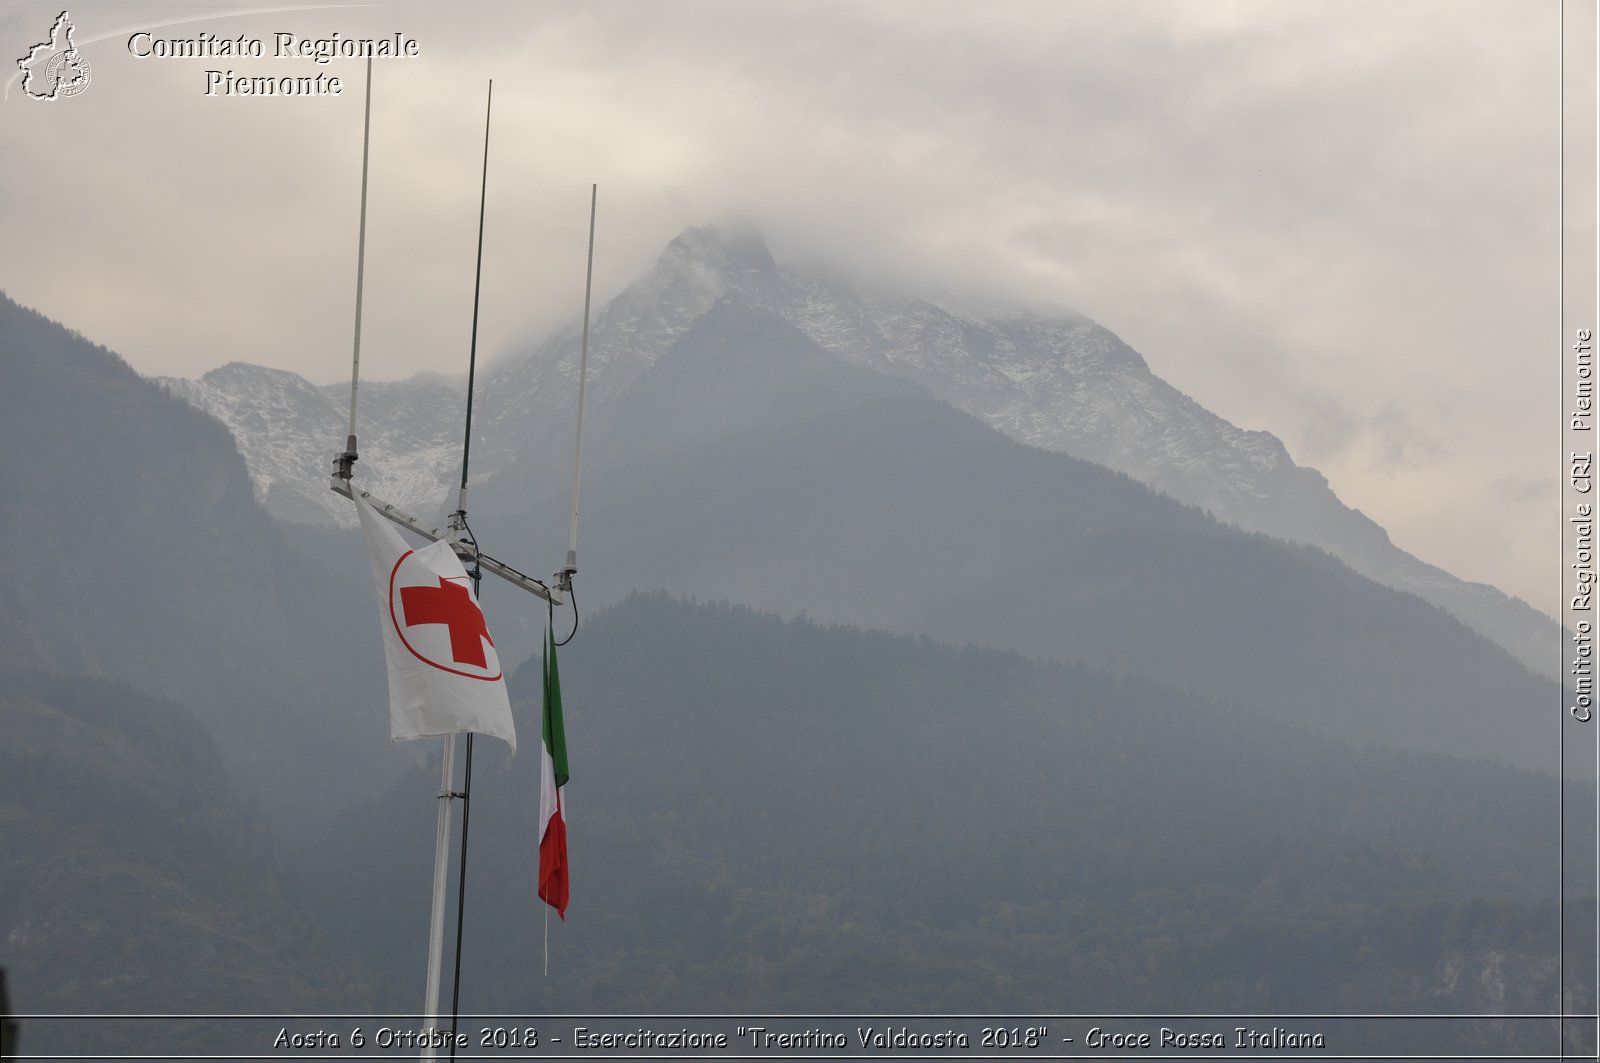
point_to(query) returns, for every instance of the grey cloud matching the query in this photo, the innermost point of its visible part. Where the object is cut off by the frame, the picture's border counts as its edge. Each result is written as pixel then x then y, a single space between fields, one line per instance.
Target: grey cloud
pixel 1302 213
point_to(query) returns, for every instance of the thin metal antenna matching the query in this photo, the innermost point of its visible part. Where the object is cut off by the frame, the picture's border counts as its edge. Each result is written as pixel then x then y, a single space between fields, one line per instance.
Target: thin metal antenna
pixel 458 523
pixel 458 520
pixel 571 566
pixel 346 460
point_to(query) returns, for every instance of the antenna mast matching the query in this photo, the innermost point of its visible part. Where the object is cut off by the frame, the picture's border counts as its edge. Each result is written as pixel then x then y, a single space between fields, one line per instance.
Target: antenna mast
pixel 571 567
pixel 460 536
pixel 458 520
pixel 343 462
pixel 458 525
pixel 347 460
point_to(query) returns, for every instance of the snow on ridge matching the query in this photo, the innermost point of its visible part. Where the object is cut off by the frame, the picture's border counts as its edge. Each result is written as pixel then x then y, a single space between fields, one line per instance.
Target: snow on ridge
pixel 1060 382
pixel 289 429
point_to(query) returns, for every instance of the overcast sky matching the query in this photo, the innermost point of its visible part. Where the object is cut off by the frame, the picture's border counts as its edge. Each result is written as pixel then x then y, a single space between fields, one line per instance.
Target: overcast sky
pixel 1335 221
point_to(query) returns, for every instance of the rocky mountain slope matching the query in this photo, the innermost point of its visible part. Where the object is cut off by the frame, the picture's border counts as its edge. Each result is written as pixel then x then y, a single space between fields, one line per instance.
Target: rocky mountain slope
pixel 1062 383
pixel 1246 798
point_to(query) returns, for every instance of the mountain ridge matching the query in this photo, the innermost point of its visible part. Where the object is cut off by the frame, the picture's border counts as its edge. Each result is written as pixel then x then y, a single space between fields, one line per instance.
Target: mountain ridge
pixel 897 511
pixel 152 563
pixel 1059 382
pixel 1136 832
pixel 785 815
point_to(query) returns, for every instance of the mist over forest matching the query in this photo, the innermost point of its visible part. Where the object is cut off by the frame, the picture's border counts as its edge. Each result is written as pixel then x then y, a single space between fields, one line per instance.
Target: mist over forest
pixel 872 708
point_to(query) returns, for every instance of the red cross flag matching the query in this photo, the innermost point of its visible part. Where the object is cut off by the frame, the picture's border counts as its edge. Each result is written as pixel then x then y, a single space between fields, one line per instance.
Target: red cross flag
pixel 444 674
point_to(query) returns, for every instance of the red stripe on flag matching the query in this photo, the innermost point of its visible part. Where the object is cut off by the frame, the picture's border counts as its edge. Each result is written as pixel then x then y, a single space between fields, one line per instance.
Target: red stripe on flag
pixel 553 888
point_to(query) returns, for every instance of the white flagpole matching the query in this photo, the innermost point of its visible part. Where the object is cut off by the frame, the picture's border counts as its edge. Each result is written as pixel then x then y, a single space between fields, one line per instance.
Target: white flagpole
pixel 583 372
pixel 345 461
pixel 441 857
pixel 361 252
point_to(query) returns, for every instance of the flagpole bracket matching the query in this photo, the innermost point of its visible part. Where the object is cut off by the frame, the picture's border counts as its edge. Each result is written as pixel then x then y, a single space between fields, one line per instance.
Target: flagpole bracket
pixel 344 464
pixel 537 587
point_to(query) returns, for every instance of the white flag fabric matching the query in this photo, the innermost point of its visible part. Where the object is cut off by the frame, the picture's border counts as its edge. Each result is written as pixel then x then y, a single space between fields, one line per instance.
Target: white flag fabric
pixel 444 673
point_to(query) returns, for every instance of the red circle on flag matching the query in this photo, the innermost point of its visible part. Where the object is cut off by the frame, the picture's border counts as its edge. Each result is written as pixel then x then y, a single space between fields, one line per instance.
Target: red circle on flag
pixel 400 630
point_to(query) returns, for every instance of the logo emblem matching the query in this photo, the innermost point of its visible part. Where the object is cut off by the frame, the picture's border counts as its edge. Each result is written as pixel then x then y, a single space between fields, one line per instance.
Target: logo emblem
pixel 54 69
pixel 439 621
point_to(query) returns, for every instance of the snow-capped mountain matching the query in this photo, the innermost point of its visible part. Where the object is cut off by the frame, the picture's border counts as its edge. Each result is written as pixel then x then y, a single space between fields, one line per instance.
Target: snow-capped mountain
pixel 1061 383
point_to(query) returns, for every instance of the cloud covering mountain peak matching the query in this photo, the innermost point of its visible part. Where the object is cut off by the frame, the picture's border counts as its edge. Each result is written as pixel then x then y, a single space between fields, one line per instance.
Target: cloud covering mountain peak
pixel 1060 382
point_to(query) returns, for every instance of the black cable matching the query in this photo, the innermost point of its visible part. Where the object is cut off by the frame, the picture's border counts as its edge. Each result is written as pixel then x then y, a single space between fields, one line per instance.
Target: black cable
pixel 461 894
pixel 461 874
pixel 477 569
pixel 573 592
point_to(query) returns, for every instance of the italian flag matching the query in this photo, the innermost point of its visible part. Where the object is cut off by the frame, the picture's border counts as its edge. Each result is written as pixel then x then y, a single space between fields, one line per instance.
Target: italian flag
pixel 553 776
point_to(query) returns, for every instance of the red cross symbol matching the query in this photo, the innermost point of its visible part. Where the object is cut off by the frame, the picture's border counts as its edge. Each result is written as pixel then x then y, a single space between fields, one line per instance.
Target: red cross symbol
pixel 450 604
